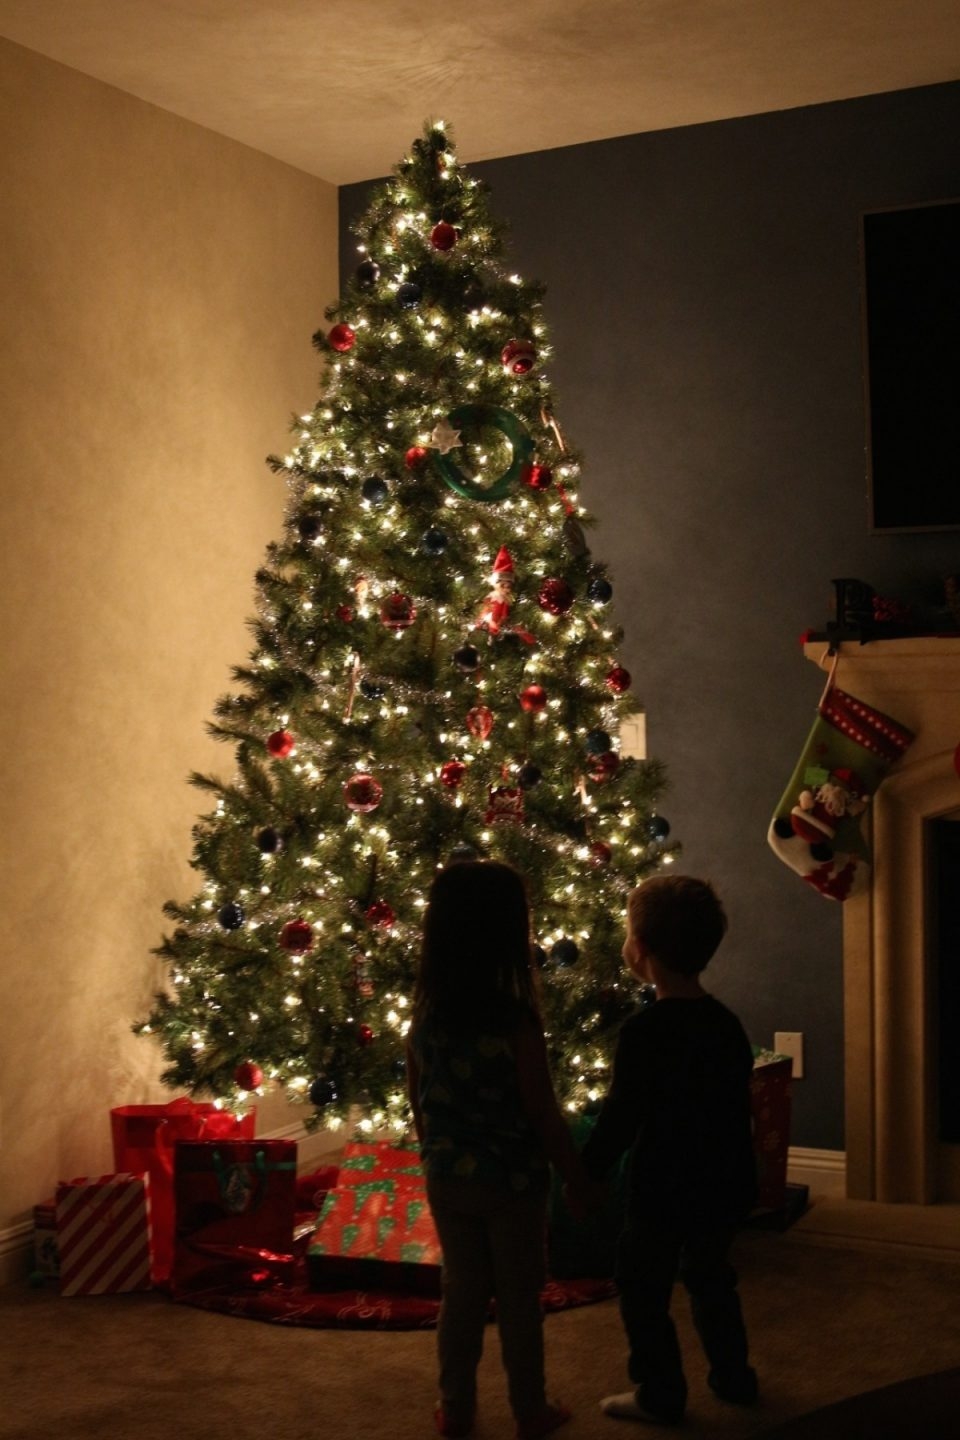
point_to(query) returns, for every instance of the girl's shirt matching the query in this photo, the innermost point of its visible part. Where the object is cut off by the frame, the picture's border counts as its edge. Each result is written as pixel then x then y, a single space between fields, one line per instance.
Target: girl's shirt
pixel 474 1126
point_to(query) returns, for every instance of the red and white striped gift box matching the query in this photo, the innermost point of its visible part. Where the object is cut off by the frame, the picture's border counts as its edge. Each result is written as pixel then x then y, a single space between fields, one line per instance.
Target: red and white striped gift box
pixel 103 1234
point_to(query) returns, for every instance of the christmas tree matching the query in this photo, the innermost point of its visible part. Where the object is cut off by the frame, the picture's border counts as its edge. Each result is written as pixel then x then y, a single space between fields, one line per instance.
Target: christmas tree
pixel 435 675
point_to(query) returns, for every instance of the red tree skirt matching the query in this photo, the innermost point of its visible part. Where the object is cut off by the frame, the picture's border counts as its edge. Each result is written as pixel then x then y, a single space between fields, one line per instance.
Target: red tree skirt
pixel 277 1289
pixel 283 1297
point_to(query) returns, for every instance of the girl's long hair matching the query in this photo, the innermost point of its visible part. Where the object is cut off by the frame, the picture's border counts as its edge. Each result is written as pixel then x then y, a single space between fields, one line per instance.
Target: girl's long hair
pixel 475 964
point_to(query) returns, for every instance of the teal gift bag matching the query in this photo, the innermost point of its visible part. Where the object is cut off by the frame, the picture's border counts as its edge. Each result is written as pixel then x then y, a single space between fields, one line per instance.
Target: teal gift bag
pixel 233 1211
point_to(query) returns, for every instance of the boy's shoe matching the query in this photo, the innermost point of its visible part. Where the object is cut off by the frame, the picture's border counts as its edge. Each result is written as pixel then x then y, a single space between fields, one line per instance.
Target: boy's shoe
pixel 550 1419
pixel 739 1389
pixel 452 1428
pixel 628 1407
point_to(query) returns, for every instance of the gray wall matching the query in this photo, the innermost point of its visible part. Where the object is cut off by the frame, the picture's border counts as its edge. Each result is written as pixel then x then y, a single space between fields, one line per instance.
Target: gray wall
pixel 704 303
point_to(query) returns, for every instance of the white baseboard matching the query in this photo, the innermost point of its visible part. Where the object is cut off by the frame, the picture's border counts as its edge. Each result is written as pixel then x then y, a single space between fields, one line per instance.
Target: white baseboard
pixel 823 1171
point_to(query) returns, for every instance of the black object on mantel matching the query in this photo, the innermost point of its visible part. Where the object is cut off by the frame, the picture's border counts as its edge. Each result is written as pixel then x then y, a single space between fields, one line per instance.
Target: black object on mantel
pixel 862 615
pixel 853 615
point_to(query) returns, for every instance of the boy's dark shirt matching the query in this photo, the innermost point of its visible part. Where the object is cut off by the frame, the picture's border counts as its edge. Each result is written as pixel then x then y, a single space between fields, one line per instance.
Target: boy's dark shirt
pixel 680 1100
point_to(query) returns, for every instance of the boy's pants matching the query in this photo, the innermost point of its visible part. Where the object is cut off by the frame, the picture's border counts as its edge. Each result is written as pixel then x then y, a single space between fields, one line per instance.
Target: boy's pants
pixel 494 1245
pixel 650 1258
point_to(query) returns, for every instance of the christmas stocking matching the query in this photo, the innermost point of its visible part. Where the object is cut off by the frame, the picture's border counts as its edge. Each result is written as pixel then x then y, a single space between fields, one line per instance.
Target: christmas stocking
pixel 816 827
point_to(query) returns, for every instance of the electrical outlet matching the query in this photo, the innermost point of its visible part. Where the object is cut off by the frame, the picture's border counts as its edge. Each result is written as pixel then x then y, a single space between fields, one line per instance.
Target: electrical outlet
pixel 633 736
pixel 790 1042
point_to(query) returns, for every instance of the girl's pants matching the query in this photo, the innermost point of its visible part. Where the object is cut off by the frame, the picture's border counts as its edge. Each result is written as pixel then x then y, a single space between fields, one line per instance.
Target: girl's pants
pixel 494 1244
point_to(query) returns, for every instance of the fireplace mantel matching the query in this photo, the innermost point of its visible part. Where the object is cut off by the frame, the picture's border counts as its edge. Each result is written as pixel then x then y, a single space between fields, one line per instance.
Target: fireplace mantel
pixel 889 1037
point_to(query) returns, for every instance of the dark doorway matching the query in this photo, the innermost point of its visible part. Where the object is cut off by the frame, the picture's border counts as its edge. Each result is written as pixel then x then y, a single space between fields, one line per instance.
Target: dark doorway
pixel 945 893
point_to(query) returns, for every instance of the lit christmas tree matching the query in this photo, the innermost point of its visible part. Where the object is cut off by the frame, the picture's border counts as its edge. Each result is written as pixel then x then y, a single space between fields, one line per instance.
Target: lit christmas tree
pixel 435 675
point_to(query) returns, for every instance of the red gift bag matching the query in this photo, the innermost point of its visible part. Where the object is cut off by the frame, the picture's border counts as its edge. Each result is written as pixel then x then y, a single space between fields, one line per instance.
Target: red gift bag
pixel 770 1088
pixel 234 1204
pixel 143 1141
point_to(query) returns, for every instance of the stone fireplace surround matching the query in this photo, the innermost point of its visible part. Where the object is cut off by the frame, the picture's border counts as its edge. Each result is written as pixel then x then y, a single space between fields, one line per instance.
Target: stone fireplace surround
pixel 892 1152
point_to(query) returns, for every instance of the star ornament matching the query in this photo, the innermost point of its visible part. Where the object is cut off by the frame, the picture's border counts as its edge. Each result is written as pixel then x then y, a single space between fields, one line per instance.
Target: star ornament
pixel 445 438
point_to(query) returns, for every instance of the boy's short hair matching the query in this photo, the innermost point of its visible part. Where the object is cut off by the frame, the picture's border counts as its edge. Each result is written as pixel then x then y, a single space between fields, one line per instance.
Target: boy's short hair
pixel 680 920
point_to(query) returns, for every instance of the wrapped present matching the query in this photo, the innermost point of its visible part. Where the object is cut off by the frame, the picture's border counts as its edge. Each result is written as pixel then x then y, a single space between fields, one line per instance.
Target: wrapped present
pixel 103 1234
pixel 143 1140
pixel 770 1087
pixel 46 1258
pixel 375 1229
pixel 234 1203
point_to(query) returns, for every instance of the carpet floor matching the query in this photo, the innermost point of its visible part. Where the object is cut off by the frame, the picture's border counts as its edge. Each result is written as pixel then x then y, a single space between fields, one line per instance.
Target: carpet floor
pixel 826 1323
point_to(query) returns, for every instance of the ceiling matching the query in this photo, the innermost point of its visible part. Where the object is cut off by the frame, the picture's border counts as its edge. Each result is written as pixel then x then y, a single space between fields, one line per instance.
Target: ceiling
pixel 339 88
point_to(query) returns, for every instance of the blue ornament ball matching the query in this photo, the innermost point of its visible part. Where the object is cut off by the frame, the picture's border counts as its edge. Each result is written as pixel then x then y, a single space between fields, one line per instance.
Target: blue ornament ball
pixel 467 658
pixel 375 490
pixel 434 541
pixel 598 742
pixel 269 841
pixel 539 956
pixel 409 295
pixel 322 1092
pixel 600 591
pixel 564 952
pixel 231 916
pixel 368 273
pixel 658 828
pixel 371 690
pixel 529 775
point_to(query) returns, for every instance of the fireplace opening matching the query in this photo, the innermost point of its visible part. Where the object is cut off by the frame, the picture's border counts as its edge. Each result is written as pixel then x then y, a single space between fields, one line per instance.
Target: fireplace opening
pixel 944 855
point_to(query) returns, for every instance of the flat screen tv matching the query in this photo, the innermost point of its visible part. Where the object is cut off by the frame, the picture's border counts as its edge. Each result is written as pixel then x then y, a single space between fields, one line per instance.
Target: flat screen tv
pixel 911 309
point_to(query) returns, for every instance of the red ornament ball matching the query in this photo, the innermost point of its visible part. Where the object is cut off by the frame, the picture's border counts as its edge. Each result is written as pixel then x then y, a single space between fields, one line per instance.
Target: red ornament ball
pixel 381 914
pixel 363 793
pixel 600 853
pixel 452 773
pixel 519 357
pixel 443 236
pixel 248 1076
pixel 618 680
pixel 555 596
pixel 398 611
pixel 603 767
pixel 280 744
pixel 533 699
pixel 415 457
pixel 365 1035
pixel 341 338
pixel 480 721
pixel 538 477
pixel 344 613
pixel 297 936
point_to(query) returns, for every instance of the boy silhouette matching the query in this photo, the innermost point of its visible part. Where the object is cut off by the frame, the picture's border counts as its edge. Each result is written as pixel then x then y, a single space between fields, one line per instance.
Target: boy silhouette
pixel 679 1100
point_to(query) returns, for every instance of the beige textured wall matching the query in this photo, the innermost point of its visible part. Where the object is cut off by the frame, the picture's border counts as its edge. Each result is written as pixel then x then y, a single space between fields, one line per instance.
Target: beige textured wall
pixel 158 288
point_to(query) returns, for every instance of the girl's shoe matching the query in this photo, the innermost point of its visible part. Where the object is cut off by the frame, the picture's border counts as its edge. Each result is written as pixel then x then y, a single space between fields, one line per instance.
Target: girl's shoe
pixel 550 1419
pixel 452 1428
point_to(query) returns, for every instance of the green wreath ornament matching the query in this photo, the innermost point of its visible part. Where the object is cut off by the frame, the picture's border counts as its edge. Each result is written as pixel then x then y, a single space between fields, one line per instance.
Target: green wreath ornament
pixel 515 432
